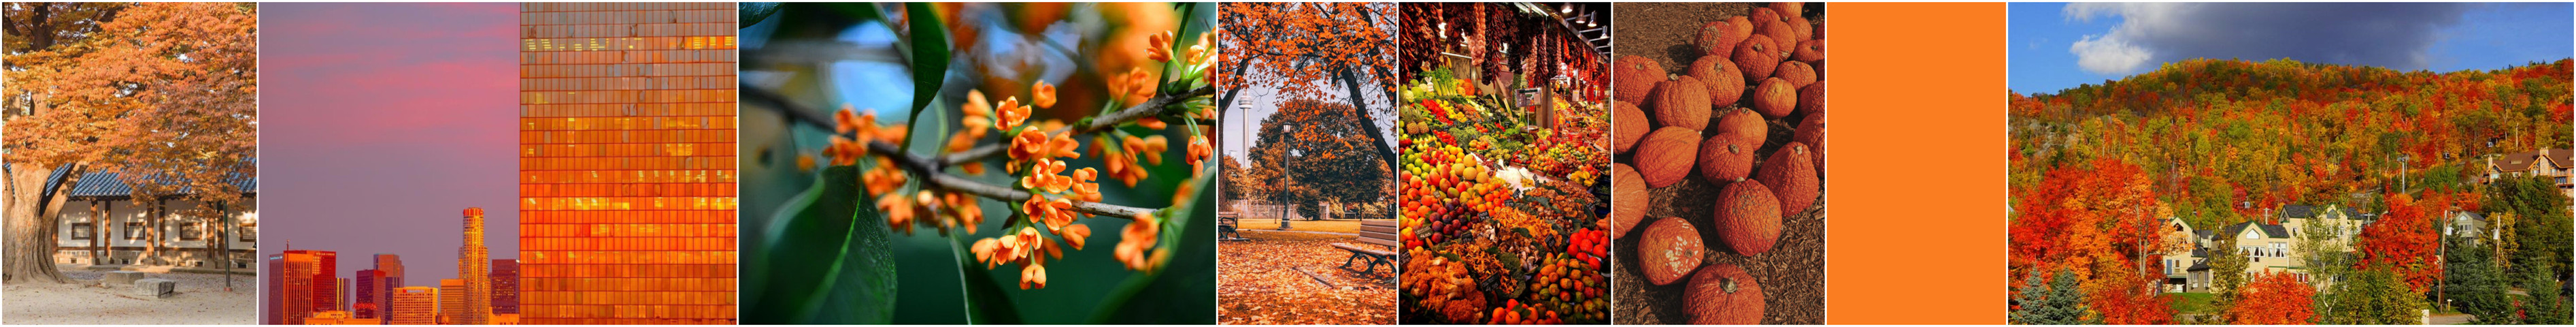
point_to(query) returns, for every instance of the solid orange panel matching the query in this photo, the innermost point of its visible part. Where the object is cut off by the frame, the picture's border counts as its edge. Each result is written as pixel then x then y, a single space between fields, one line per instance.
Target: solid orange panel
pixel 1916 172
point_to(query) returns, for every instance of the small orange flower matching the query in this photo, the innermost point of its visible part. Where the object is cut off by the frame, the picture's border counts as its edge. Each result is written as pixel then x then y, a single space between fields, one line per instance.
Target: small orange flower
pixel 1033 276
pixel 1151 148
pixel 1136 240
pixel 1043 176
pixel 1198 52
pixel 804 162
pixel 882 178
pixel 1124 169
pixel 968 212
pixel 1199 152
pixel 898 211
pixel 1055 213
pixel 1159 46
pixel 1043 95
pixel 1029 145
pixel 1063 146
pixel 1076 235
pixel 1155 123
pixel 843 121
pixel 1012 113
pixel 977 114
pixel 1084 187
pixel 893 133
pixel 1132 88
pixel 839 151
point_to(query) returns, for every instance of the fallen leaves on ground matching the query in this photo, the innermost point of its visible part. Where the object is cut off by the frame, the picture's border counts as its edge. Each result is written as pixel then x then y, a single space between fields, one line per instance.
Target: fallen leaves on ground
pixel 1259 282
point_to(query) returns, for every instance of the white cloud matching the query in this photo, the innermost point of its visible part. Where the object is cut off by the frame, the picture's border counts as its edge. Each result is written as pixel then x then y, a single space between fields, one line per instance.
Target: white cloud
pixel 2109 55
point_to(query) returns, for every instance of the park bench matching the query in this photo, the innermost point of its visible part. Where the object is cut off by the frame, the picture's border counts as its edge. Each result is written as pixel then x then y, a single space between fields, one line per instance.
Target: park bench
pixel 1378 232
pixel 1228 228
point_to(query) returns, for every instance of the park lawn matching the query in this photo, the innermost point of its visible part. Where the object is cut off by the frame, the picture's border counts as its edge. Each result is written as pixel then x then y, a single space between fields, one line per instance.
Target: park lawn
pixel 1330 226
pixel 2194 302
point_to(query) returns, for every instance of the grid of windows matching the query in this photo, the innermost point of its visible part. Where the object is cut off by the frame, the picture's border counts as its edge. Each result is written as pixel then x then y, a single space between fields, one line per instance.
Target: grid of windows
pixel 627 166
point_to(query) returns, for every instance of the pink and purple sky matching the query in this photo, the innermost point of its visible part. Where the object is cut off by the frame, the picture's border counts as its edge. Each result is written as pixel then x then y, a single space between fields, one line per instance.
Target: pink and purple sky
pixel 381 123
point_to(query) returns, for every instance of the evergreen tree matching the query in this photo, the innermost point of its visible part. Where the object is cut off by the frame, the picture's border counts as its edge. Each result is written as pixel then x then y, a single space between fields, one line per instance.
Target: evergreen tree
pixel 2226 269
pixel 2051 301
pixel 2473 282
pixel 2546 307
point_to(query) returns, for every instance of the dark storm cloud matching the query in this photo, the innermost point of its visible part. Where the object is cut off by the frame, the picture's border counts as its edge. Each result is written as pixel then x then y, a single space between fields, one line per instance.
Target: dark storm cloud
pixel 2393 35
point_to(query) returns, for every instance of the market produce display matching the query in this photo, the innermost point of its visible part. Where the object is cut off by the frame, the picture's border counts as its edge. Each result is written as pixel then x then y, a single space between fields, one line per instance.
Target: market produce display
pixel 1506 172
pixel 1728 145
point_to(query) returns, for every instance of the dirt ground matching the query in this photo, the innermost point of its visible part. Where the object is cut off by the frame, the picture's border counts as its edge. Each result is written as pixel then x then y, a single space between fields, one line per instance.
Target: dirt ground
pixel 1274 279
pixel 1792 274
pixel 201 301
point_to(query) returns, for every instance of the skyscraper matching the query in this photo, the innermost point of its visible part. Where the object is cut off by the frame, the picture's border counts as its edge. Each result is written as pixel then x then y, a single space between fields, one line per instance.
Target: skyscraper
pixel 339 297
pixel 473 265
pixel 505 287
pixel 627 165
pixel 369 300
pixel 392 267
pixel 451 301
pixel 416 305
pixel 290 287
pixel 326 276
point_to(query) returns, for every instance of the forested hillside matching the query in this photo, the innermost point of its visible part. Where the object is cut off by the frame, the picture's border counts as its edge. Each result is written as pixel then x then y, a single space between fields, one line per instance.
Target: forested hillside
pixel 2221 140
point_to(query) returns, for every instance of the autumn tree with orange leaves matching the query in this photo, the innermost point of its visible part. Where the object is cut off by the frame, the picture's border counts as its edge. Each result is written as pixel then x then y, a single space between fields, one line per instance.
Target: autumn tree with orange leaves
pixel 2406 240
pixel 1314 50
pixel 2098 221
pixel 1327 155
pixel 2274 298
pixel 148 90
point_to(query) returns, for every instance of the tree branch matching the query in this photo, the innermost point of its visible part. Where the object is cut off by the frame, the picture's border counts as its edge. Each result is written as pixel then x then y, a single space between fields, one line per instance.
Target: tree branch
pixel 1157 106
pixel 933 177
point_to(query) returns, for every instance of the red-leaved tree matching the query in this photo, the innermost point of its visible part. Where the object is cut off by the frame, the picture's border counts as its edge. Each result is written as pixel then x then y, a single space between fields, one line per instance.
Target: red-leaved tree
pixel 2274 298
pixel 2097 220
pixel 2405 240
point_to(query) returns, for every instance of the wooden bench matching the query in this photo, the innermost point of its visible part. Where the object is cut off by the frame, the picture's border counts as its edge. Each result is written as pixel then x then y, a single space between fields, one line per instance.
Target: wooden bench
pixel 1378 232
pixel 1227 228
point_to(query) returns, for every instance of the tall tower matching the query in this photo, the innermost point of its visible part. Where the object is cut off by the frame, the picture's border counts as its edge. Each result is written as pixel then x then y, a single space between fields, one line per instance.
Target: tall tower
pixel 289 288
pixel 627 165
pixel 474 265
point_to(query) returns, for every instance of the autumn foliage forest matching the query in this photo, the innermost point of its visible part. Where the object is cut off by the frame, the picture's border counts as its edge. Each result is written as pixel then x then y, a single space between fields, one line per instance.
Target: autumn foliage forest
pixel 2096 170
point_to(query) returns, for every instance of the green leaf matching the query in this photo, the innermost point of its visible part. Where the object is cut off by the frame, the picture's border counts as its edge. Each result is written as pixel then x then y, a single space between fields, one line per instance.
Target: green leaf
pixel 751 13
pixel 929 53
pixel 986 303
pixel 809 252
pixel 1173 295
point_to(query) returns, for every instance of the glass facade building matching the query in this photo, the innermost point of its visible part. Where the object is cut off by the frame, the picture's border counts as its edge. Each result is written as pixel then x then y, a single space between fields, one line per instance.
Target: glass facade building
pixel 627 170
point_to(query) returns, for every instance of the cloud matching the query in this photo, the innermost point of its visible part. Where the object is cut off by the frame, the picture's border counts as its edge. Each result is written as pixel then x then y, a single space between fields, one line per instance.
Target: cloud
pixel 2393 35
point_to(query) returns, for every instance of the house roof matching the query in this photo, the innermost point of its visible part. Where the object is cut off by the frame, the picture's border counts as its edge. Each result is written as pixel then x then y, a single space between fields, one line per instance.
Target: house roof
pixel 2522 161
pixel 2309 211
pixel 110 183
pixel 2198 266
pixel 2270 230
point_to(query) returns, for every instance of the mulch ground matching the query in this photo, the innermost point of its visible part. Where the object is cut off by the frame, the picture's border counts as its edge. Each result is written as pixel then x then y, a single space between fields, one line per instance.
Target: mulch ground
pixel 1792 274
pixel 1281 278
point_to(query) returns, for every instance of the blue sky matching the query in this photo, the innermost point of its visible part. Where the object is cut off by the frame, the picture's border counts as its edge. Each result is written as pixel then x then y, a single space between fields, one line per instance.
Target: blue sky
pixel 2054 47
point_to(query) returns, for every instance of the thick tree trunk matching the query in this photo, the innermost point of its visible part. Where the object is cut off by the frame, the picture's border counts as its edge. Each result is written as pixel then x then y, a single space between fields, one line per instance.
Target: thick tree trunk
pixel 1376 134
pixel 31 223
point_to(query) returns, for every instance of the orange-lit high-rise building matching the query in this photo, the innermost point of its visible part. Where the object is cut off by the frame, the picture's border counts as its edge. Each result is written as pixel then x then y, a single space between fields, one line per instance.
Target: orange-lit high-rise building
pixel 626 183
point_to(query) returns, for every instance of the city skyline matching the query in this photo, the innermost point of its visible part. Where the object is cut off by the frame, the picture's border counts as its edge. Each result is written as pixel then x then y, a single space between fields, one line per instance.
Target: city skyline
pixel 393 116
